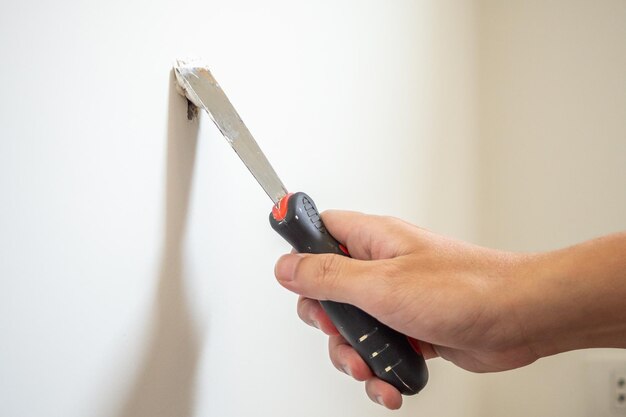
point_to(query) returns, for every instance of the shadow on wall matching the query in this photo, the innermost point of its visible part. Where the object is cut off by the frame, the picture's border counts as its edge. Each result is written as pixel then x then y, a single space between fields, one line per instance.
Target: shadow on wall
pixel 164 385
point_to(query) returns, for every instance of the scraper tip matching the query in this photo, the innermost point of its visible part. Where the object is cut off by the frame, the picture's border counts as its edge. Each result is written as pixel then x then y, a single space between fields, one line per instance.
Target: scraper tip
pixel 181 67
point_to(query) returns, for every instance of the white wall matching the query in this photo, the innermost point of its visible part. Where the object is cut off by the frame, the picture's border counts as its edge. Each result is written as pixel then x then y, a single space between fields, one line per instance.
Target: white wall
pixel 135 255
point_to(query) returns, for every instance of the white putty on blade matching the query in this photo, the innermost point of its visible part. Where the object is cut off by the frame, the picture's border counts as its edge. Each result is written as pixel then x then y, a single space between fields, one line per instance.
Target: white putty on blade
pixel 181 66
pixel 201 89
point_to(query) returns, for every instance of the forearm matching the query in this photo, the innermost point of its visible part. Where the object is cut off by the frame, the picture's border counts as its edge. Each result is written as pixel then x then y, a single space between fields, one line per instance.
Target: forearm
pixel 574 298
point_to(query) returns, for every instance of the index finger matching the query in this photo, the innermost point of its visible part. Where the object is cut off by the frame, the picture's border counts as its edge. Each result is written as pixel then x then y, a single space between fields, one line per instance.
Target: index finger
pixel 366 236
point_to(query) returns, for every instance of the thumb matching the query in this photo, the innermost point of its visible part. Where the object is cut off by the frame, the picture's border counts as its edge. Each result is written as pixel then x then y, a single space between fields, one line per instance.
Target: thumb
pixel 364 284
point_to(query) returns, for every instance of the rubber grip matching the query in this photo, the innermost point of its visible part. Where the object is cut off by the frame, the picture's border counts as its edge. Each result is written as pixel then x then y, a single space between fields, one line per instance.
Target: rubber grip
pixel 389 354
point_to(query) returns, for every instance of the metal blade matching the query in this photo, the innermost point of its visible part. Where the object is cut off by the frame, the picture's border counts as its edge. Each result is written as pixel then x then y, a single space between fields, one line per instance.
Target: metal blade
pixel 202 89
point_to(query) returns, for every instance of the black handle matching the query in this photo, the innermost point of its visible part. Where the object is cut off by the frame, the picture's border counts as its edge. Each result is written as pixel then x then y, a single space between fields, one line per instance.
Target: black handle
pixel 388 353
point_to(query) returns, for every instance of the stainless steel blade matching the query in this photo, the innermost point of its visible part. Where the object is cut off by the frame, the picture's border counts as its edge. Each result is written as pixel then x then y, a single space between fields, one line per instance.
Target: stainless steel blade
pixel 202 89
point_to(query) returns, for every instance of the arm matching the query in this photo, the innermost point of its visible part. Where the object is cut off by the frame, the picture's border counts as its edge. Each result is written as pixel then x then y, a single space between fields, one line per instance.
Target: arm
pixel 484 310
pixel 575 298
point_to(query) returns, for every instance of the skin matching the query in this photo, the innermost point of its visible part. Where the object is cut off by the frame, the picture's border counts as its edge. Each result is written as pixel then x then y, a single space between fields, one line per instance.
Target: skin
pixel 485 310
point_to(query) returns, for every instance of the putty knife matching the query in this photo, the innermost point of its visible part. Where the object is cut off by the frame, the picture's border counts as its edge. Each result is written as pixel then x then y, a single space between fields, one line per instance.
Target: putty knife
pixel 392 356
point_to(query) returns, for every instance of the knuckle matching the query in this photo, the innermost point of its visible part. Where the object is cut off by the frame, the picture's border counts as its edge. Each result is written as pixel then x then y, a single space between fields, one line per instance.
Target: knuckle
pixel 302 309
pixel 307 309
pixel 340 355
pixel 393 224
pixel 388 275
pixel 330 269
pixel 388 289
pixel 333 352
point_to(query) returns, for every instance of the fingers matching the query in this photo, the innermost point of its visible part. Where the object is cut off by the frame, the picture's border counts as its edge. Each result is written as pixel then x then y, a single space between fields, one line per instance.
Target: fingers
pixel 312 313
pixel 384 394
pixel 338 278
pixel 366 236
pixel 346 359
pixel 427 349
pixel 342 355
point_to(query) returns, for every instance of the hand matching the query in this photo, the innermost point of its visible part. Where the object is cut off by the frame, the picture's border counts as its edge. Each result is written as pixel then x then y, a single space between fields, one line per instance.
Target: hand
pixel 454 297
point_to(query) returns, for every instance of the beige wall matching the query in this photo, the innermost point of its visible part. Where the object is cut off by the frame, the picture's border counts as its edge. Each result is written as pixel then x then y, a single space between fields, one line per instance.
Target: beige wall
pixel 552 158
pixel 552 104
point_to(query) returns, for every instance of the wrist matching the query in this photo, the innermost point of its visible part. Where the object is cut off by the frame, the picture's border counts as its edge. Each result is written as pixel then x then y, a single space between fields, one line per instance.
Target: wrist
pixel 571 299
pixel 538 304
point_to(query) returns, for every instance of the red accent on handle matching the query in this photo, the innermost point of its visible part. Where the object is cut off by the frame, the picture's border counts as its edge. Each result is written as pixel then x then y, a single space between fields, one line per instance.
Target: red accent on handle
pixel 415 345
pixel 280 210
pixel 344 249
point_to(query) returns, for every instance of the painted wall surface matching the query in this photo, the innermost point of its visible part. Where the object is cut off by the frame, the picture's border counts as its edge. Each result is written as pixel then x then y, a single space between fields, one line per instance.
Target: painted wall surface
pixel 136 260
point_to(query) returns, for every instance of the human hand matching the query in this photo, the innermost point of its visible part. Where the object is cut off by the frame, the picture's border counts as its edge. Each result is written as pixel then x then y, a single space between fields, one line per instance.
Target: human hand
pixel 454 297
